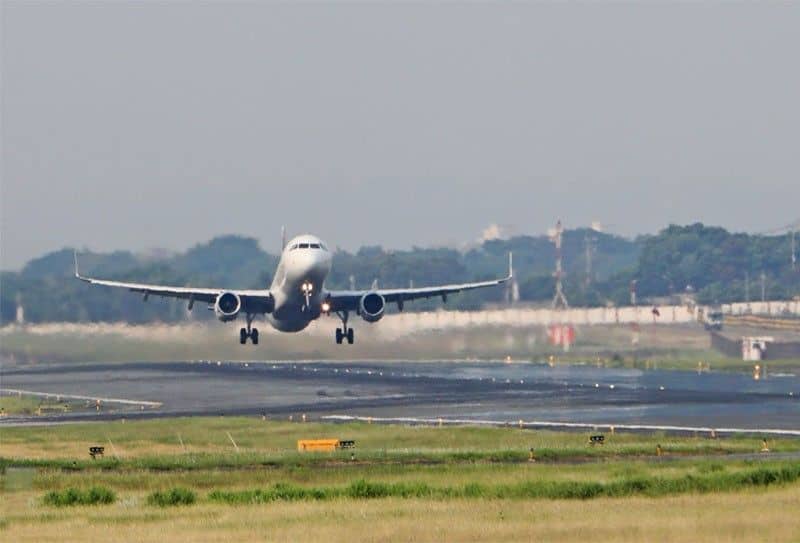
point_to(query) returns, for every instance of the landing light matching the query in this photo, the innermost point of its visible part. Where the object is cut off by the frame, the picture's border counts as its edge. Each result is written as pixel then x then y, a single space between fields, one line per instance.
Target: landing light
pixel 326 307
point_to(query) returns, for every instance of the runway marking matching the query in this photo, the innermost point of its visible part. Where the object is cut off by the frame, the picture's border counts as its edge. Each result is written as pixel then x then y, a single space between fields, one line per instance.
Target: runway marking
pixel 78 397
pixel 551 424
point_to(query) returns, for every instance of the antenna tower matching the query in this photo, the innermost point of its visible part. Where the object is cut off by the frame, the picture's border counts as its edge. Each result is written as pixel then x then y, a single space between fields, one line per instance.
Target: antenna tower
pixel 559 300
pixel 791 230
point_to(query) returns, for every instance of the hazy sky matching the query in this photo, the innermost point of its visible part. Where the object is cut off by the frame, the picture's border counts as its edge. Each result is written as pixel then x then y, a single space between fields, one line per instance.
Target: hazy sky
pixel 153 124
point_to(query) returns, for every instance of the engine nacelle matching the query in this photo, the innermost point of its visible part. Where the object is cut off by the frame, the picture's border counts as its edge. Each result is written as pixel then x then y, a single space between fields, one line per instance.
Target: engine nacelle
pixel 227 306
pixel 371 306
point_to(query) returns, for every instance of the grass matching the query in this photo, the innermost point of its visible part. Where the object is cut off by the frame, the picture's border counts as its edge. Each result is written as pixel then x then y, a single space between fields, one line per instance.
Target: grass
pixel 532 489
pixel 665 347
pixel 409 483
pixel 26 405
pixel 199 443
pixel 751 515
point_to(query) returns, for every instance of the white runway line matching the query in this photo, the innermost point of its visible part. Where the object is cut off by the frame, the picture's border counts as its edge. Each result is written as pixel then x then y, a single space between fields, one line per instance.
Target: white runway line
pixel 77 397
pixel 550 424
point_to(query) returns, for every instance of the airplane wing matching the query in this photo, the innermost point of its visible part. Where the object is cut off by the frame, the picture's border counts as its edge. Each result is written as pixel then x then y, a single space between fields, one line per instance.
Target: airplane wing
pixel 253 301
pixel 347 300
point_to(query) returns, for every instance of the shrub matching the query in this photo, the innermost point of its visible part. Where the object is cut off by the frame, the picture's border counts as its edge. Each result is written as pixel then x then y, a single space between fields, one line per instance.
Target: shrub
pixel 474 490
pixel 363 489
pixel 175 496
pixel 96 495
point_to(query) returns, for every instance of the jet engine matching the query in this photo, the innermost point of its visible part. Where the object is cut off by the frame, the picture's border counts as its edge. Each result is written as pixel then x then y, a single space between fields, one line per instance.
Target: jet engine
pixel 227 306
pixel 371 306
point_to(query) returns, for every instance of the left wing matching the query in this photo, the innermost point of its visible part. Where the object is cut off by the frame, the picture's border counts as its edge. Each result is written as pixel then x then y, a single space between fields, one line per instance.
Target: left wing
pixel 347 300
pixel 253 301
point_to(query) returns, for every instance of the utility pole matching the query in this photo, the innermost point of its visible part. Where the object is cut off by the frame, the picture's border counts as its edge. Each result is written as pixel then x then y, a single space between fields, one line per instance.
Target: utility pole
pixel 791 230
pixel 747 291
pixel 589 247
pixel 763 287
pixel 559 300
pixel 20 315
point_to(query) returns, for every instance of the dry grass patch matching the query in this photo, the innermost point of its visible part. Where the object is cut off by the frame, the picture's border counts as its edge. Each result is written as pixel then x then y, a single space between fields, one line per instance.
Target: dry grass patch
pixel 743 516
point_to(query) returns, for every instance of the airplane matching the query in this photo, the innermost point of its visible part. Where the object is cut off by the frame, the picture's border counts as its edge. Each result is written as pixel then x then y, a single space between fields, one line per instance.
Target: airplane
pixel 297 295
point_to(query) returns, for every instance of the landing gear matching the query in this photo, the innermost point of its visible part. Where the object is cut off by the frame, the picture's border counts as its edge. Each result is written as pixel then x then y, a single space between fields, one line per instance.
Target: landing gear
pixel 344 331
pixel 249 332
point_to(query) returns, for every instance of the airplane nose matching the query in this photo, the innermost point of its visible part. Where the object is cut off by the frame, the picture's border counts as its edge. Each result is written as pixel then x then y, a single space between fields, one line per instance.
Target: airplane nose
pixel 312 265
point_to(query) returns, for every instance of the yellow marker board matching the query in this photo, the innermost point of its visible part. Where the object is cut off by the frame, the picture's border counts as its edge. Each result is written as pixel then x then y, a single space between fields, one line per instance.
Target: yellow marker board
pixel 317 445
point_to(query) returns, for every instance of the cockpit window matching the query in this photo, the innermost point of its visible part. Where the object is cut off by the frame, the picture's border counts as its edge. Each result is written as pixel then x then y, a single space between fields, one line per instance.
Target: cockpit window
pixel 308 246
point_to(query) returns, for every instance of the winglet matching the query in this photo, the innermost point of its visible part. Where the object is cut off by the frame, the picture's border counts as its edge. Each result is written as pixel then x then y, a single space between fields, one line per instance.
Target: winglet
pixel 77 271
pixel 510 265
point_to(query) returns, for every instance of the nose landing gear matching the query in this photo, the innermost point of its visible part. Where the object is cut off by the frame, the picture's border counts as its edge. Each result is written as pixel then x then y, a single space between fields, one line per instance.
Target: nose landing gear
pixel 307 288
pixel 249 332
pixel 344 331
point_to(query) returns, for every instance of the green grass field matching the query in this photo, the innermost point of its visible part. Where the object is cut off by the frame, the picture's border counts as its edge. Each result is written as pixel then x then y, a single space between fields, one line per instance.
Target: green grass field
pixel 663 347
pixel 184 479
pixel 19 405
pixel 32 405
pixel 188 441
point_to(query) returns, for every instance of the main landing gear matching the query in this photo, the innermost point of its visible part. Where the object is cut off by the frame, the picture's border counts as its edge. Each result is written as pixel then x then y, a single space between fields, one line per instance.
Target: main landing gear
pixel 249 332
pixel 344 331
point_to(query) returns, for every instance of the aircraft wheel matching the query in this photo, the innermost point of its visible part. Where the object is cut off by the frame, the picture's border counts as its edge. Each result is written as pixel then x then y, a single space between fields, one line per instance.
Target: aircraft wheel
pixel 350 336
pixel 339 336
pixel 242 336
pixel 254 336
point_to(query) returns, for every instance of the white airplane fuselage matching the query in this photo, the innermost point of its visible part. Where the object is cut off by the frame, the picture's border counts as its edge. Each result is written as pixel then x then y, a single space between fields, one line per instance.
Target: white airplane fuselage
pixel 298 285
pixel 297 295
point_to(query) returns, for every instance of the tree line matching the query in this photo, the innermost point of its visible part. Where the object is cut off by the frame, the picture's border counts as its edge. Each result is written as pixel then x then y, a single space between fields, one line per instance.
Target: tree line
pixel 709 263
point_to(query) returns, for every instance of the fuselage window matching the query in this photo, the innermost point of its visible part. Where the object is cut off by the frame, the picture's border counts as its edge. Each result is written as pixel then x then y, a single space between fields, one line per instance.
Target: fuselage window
pixel 314 245
pixel 293 247
pixel 303 246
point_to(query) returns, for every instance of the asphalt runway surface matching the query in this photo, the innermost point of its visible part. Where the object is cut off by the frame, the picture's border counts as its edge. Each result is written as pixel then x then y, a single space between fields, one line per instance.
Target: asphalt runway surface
pixel 450 390
pixel 480 391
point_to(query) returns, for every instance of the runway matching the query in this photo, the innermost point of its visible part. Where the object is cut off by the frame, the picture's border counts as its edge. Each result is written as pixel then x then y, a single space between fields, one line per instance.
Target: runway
pixel 463 391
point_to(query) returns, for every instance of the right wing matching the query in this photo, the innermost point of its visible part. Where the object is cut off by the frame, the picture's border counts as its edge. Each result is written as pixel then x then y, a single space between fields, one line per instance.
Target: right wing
pixel 253 301
pixel 348 299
